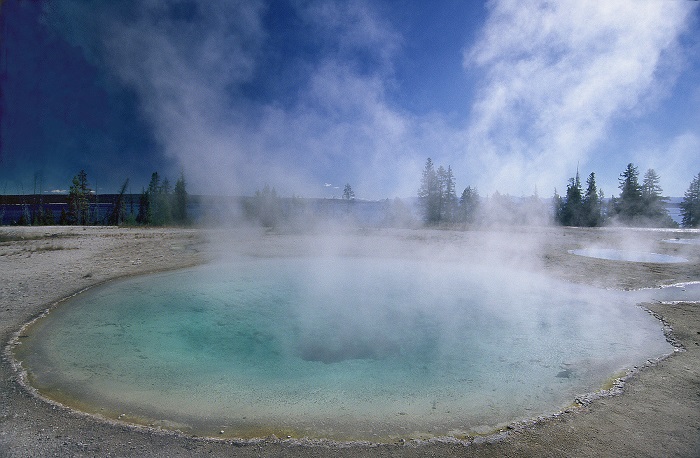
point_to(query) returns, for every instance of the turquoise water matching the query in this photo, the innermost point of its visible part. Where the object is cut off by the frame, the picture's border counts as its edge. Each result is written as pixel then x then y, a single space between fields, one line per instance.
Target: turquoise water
pixel 339 348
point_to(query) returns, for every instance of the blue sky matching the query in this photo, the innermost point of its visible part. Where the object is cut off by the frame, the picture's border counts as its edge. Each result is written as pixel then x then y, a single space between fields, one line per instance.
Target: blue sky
pixel 309 95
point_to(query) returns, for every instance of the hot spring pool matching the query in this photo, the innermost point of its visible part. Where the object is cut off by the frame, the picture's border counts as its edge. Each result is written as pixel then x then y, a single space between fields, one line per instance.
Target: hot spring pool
pixel 625 255
pixel 337 348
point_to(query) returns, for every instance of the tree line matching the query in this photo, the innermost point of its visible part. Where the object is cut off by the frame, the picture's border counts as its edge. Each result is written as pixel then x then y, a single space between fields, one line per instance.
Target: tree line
pixel 440 206
pixel 160 204
pixel 639 204
pixel 690 207
pixel 438 198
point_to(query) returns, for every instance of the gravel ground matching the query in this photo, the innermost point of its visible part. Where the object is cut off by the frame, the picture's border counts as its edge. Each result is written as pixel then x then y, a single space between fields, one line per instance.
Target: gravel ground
pixel 656 414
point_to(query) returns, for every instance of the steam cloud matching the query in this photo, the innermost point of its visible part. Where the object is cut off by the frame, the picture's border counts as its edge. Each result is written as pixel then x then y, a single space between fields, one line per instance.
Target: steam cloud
pixel 554 75
pixel 558 74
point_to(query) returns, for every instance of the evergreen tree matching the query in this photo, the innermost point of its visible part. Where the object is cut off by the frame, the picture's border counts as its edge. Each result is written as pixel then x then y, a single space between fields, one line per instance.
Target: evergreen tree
pixel 151 192
pixel 165 187
pixel 149 202
pixel 449 196
pixel 47 218
pixel 119 210
pixel 653 201
pixel 180 205
pixel 690 207
pixel 348 193
pixel 468 205
pixel 603 208
pixel 38 210
pixel 429 194
pixel 592 204
pixel 437 195
pixel 144 214
pixel 78 203
pixel 160 204
pixel 572 213
pixel 630 205
pixel 441 187
pixel 162 214
pixel 612 207
pixel 558 207
pixel 25 218
pixel 154 184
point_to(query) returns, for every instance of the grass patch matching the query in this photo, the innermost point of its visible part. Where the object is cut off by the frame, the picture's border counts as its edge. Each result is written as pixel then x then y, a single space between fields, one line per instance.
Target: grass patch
pixel 38 249
pixel 47 248
pixel 14 237
pixel 6 238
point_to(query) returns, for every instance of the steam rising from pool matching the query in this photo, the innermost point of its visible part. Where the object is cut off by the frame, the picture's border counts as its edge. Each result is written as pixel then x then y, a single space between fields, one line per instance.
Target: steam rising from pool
pixel 335 347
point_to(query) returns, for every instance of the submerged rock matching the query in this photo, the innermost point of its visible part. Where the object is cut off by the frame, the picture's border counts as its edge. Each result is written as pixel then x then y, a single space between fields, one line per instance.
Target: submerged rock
pixel 566 373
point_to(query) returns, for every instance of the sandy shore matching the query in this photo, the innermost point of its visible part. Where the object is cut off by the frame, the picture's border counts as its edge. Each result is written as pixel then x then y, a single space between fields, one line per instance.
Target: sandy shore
pixel 658 413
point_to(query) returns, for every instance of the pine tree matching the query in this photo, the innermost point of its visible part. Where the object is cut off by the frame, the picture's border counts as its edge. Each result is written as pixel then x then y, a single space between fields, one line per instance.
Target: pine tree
pixel 592 204
pixel 180 205
pixel 441 187
pixel 468 205
pixel 653 201
pixel 449 197
pixel 429 194
pixel 163 210
pixel 558 207
pixel 78 203
pixel 144 214
pixel 348 193
pixel 690 207
pixel 630 204
pixel 148 202
pixel 119 209
pixel 572 213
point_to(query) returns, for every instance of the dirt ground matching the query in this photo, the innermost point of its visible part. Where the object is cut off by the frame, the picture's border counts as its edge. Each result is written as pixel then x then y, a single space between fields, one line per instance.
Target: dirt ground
pixel 656 414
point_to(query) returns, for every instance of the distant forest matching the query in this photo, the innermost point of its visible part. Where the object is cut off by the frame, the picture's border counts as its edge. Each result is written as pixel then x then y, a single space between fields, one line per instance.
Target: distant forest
pixel 160 204
pixel 640 204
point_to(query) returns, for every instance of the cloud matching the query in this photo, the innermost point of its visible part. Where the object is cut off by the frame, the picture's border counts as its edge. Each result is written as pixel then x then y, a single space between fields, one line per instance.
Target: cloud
pixel 558 73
